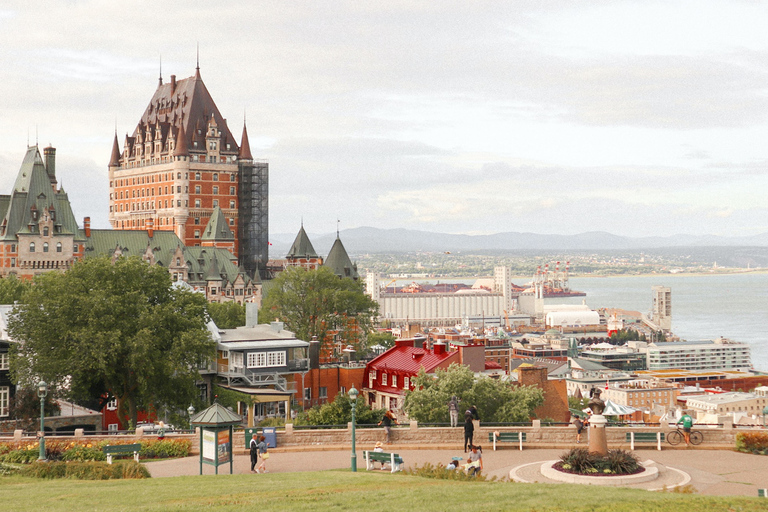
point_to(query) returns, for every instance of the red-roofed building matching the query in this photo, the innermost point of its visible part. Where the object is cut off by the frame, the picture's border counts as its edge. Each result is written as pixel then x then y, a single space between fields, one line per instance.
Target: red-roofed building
pixel 390 374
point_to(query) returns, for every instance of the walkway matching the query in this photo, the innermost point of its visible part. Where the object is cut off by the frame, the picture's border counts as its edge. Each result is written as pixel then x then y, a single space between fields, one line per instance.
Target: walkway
pixel 715 472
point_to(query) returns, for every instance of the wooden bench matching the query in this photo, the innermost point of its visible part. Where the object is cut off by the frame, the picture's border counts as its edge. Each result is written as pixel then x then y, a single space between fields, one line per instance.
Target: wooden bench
pixel 394 460
pixel 122 449
pixel 506 437
pixel 645 437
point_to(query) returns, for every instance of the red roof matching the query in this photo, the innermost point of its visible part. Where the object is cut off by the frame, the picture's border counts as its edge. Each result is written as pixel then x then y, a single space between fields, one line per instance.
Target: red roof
pixel 411 359
pixel 492 365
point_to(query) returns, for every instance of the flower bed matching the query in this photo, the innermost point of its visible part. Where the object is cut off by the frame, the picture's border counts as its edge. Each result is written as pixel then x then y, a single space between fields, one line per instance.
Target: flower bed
pixel 580 461
pixel 752 442
pixel 26 452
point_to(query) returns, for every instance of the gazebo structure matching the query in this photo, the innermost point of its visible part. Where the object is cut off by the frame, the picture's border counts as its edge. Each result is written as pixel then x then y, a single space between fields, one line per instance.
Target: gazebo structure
pixel 216 424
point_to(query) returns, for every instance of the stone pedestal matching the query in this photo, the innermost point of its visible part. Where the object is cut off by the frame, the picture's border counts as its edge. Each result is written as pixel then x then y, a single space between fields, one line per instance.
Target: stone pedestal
pixel 598 443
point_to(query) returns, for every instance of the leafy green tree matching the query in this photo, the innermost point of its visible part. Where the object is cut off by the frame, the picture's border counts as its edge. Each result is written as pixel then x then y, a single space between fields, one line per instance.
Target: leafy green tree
pixel 339 412
pixel 496 400
pixel 385 339
pixel 24 407
pixel 317 303
pixel 12 289
pixel 117 329
pixel 227 315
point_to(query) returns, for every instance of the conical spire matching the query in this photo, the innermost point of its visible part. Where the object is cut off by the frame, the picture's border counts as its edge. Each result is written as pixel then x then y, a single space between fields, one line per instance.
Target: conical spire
pixel 114 160
pixel 338 261
pixel 181 143
pixel 302 247
pixel 245 146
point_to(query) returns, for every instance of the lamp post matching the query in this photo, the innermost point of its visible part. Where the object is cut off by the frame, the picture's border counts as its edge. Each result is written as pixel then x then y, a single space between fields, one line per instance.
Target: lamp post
pixel 42 392
pixel 353 396
pixel 191 412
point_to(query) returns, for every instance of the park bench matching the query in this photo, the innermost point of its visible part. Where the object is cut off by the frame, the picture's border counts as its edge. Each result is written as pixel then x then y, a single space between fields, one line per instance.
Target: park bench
pixel 645 437
pixel 762 493
pixel 394 460
pixel 122 449
pixel 506 437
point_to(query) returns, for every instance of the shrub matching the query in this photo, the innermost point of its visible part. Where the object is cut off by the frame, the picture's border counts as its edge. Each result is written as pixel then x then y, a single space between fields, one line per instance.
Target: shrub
pixel 615 462
pixel 752 442
pixel 82 453
pixel 86 470
pixel 165 449
pixel 439 472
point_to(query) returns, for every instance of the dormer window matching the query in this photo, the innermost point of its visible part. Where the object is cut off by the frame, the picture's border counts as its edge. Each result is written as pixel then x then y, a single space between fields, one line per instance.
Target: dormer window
pixel 45 231
pixel 34 214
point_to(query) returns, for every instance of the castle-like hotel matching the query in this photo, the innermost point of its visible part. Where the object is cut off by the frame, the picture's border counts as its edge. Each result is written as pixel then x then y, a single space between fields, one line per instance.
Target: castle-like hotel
pixel 182 194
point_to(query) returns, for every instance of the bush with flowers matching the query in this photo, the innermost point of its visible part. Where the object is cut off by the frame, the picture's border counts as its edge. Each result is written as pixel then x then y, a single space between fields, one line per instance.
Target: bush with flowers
pixel 25 452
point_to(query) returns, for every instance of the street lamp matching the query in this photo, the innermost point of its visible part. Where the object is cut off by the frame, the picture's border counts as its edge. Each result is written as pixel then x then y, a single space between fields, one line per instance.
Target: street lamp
pixel 191 412
pixel 42 392
pixel 353 396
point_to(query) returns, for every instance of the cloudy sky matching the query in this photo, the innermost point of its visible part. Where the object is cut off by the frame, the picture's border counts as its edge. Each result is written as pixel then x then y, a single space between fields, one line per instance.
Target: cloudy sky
pixel 636 118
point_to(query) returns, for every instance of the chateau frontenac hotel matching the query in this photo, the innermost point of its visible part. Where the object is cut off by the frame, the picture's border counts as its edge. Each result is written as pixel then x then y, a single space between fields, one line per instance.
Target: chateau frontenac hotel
pixel 183 194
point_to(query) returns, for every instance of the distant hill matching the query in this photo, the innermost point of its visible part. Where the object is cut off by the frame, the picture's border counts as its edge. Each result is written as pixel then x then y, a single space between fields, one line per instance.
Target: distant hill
pixel 373 240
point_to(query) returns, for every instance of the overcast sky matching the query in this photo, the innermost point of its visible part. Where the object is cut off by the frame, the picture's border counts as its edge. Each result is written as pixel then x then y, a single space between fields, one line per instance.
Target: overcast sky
pixel 636 118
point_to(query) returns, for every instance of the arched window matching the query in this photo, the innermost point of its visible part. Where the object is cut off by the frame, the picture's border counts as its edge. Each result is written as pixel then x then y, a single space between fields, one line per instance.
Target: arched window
pixel 31 246
pixel 58 247
pixel 45 247
pixel 45 231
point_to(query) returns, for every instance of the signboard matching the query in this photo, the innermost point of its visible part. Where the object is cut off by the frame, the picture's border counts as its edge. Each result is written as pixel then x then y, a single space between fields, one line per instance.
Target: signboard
pixel 223 446
pixel 209 446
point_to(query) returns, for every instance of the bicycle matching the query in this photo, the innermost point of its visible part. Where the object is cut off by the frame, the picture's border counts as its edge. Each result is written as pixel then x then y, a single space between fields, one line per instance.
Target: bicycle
pixel 677 436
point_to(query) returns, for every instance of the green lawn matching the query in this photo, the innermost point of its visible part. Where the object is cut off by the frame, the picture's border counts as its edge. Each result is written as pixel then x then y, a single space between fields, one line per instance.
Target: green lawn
pixel 340 490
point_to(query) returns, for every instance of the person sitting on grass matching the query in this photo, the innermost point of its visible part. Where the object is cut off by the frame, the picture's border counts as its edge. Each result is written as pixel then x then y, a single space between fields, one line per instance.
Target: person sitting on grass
pixel 475 461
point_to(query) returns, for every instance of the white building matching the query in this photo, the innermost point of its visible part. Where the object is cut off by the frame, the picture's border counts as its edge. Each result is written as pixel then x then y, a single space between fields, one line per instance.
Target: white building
pixel 719 354
pixel 726 404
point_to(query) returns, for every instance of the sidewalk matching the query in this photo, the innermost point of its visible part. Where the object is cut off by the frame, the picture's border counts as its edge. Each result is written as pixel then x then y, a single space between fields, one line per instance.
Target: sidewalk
pixel 721 473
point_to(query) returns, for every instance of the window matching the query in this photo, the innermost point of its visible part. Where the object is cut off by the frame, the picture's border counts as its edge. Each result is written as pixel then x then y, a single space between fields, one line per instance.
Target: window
pixel 231 191
pixel 112 405
pixel 215 190
pixel 232 205
pixel 215 176
pixel 197 203
pixel 3 360
pixel 45 247
pixel 5 395
pixel 383 379
pixel 215 203
pixel 112 427
pixel 394 381
pixel 307 393
pixel 406 383
pixel 197 233
pixel 46 231
pixel 32 247
pixel 197 175
pixel 323 392
pixel 257 359
pixel 197 189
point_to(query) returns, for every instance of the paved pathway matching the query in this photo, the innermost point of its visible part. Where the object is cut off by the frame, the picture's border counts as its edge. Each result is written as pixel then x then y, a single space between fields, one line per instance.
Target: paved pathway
pixel 716 472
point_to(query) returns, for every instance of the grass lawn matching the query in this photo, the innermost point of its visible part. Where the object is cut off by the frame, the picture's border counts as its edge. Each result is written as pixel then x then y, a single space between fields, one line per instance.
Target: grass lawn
pixel 341 490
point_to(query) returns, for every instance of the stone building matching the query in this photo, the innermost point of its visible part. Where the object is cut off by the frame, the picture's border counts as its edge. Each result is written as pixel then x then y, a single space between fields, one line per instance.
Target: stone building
pixel 180 164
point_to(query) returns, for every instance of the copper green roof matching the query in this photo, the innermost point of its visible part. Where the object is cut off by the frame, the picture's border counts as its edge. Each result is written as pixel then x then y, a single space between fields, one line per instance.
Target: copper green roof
pixel 338 261
pixel 33 193
pixel 217 228
pixel 302 247
pixel 215 415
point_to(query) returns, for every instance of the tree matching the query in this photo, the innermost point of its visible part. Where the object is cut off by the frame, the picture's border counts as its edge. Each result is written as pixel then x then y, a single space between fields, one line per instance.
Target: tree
pixel 339 412
pixel 106 329
pixel 318 303
pixel 24 407
pixel 12 289
pixel 385 339
pixel 496 400
pixel 227 315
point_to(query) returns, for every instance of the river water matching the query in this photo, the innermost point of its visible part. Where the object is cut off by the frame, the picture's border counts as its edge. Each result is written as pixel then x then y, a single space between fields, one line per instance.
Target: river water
pixel 704 307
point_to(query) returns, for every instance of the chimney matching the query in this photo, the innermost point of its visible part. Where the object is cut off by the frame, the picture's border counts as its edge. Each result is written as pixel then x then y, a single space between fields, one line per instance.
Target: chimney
pixel 173 83
pixel 50 162
pixel 439 348
pixel 403 342
pixel 87 227
pixel 251 314
pixel 150 227
pixel 314 354
pixel 277 326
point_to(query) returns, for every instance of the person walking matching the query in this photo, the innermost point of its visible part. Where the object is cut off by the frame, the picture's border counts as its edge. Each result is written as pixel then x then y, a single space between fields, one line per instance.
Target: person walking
pixel 475 416
pixel 386 421
pixel 469 431
pixel 253 446
pixel 264 455
pixel 453 409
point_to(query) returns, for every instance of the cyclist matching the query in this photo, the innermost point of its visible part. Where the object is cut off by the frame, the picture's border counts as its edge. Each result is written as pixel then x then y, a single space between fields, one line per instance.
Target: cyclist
pixel 687 422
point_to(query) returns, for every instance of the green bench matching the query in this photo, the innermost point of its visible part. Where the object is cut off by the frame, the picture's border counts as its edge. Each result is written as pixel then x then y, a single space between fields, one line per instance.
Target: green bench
pixel 645 437
pixel 394 460
pixel 762 493
pixel 506 437
pixel 122 449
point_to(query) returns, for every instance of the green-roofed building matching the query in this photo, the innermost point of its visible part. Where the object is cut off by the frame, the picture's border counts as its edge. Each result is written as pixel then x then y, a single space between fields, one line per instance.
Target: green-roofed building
pixel 338 261
pixel 38 231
